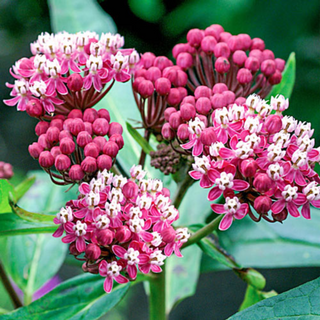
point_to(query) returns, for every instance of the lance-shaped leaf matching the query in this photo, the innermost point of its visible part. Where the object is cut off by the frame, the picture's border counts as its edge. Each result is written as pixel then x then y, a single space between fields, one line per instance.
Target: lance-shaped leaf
pixel 5 189
pixel 81 297
pixel 23 187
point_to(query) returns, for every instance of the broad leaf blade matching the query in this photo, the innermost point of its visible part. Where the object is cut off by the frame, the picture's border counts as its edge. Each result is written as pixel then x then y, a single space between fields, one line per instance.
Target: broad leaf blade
pixel 299 303
pixel 82 297
pixel 5 189
pixel 81 15
pixel 286 85
pixel 23 187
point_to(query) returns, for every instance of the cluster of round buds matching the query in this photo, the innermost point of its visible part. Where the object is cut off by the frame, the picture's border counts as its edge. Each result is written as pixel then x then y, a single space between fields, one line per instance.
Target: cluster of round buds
pixel 46 77
pixel 6 171
pixel 157 84
pixel 256 158
pixel 76 146
pixel 213 56
pixel 120 225
pixel 165 159
pixel 201 105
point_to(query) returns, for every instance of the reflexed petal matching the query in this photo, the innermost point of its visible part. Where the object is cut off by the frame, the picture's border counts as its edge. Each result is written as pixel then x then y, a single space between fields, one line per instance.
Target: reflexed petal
pixel 168 249
pixel 121 279
pixel 195 174
pixel 143 258
pixel 103 268
pixel 218 208
pixel 58 233
pixel 80 244
pixel 292 209
pixel 69 238
pixel 145 268
pixel 132 271
pixel 278 206
pixel 205 182
pixel 156 269
pixel 214 193
pixel 107 285
pixel 226 222
pixel 240 185
pixel 119 251
pixel 305 211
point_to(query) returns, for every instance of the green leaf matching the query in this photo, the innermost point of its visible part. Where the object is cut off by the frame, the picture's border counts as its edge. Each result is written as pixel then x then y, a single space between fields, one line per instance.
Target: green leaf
pixel 122 107
pixel 141 141
pixel 23 187
pixel 5 189
pixel 299 303
pixel 12 225
pixel 286 85
pixel 82 297
pixel 148 10
pixel 295 243
pixel 182 276
pixel 253 296
pixel 81 15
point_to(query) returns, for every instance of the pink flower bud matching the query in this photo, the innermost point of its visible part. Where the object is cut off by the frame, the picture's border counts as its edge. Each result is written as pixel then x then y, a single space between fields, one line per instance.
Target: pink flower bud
pixel 174 97
pixel 229 96
pixel 246 41
pixel 115 128
pixel 244 76
pixel 162 62
pixel 184 60
pixel 146 88
pixel 53 134
pixel 73 250
pixel 253 64
pixel 46 159
pixel 100 127
pixel 140 73
pixel 90 115
pixel 153 73
pixel 104 162
pixel 280 216
pixel 208 136
pixel 224 36
pixel 219 88
pixel 175 120
pixel 267 54
pixel 83 138
pixel 273 124
pixel 249 167
pixel 240 101
pixel 41 127
pixel 75 82
pixel 194 37
pixel 55 151
pixel 67 146
pixel 89 164
pixel 57 123
pixel 221 50
pixel 262 204
pixel 66 124
pixel 257 43
pixel 187 111
pixel 88 127
pixel 44 143
pixel 6 171
pixel 167 132
pixel 91 150
pixel 111 149
pixel 189 99
pixel 100 142
pixel 162 86
pixel 130 189
pixel 62 162
pixel 103 113
pixel 93 251
pixel 104 237
pixel 183 132
pixel 203 105
pixel 65 134
pixel 222 65
pixel 280 64
pixel 202 91
pixel 75 113
pixel 214 30
pixel 137 81
pixel 168 112
pixel 148 58
pixel 168 234
pixel 262 182
pixel 275 78
pixel 34 108
pixel 76 126
pixel 123 234
pixel 268 67
pixel 166 192
pixel 239 57
pixel 234 43
pixel 178 48
pixel 35 149
pixel 208 44
pixel 118 139
pixel 218 100
pixel 76 173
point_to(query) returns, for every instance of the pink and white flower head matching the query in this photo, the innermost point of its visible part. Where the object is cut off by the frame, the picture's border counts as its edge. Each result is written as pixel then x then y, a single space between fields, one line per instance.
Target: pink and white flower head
pixel 121 234
pixel 279 103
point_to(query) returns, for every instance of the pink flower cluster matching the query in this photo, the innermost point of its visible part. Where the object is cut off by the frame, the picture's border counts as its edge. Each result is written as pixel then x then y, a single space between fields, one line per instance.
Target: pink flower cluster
pixel 6 171
pixel 157 84
pixel 121 225
pixel 46 77
pixel 257 158
pixel 76 145
pixel 214 56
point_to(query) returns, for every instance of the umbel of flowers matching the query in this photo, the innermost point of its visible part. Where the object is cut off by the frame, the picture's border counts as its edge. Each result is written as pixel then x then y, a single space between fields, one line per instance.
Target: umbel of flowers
pixel 257 158
pixel 118 226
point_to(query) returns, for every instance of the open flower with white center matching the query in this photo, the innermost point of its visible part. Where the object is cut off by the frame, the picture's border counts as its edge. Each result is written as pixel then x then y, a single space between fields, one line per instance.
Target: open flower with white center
pixel 137 172
pixel 102 221
pixel 312 193
pixel 275 153
pixel 303 128
pixel 21 95
pixel 279 103
pixel 232 209
pixel 63 216
pixel 253 125
pixel 253 102
pixel 289 123
pixel 236 113
pixel 282 138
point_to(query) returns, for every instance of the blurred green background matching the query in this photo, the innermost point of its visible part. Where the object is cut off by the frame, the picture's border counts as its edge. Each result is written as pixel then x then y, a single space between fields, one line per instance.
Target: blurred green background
pixel 155 25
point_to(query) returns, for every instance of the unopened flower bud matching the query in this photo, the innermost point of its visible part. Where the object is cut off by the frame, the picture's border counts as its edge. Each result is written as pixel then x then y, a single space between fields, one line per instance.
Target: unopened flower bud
pixel 103 113
pixel 262 204
pixel 130 189
pixel 34 108
pixel 174 97
pixel 244 76
pixel 202 91
pixel 89 164
pixel 194 37
pixel 218 100
pixel 162 62
pixel 104 236
pixel 203 105
pixel 41 127
pixel 115 128
pixel 118 139
pixel 67 146
pixel 35 149
pixel 46 159
pixel 234 43
pixel 221 50
pixel 73 250
pixel 168 235
pixel 111 149
pixel 257 43
pixel 280 216
pixel 208 136
pixel 83 138
pixel 90 115
pixel 268 67
pixel 229 96
pixel 100 127
pixel 249 167
pixel 280 64
pixel 104 162
pixel 262 182
pixel 123 234
pixel 91 150
pixel 88 127
pixel 252 64
pixel 183 132
pixel 146 88
pixel 76 173
pixel 222 65
pixel 75 82
pixel 267 54
pixel 42 140
pixel 75 113
pixel 148 58
pixel 53 134
pixel 219 88
pixel 208 44
pixel 93 251
pixel 273 124
pixel 100 142
pixel 76 125
pixel 175 120
pixel 167 132
pixel 62 162
pixel 275 78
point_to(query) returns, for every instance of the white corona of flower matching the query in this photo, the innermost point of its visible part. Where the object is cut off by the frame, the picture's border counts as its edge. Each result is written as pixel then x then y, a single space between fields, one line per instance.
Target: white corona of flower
pixel 80 228
pixel 157 258
pixel 132 256
pixel 225 181
pixel 289 193
pixel 232 205
pixel 312 191
pixel 65 215
pixel 113 269
pixel 112 209
pixel 182 235
pixel 221 116
pixel 201 164
pixel 275 171
pixel 38 88
pixel 196 126
pixel 52 68
pixel 102 221
pixel 252 124
pixel 21 87
pixel 236 113
pixel 275 153
pixel 304 128
pixel 137 172
pixel 253 102
pixel 289 123
pixel 279 103
pixel 215 148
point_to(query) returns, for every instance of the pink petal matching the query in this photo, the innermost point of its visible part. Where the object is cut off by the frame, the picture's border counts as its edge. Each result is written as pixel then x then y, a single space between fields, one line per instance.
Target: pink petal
pixel 145 268
pixel 58 233
pixel 146 236
pixel 300 180
pixel 205 182
pixel 316 203
pixel 97 83
pixel 300 200
pixel 218 208
pixel 107 285
pixel 278 206
pixel 195 174
pixel 214 193
pixel 143 258
pixel 73 66
pixel 177 251
pixel 292 209
pixel 240 185
pixel 226 222
pixel 156 269
pixel 119 251
pixel 103 268
pixel 80 244
pixel 69 238
pixel 197 149
pixel 84 188
pixel 168 249
pixel 121 279
pixel 122 76
pixel 61 88
pixel 189 144
pixel 81 213
pixel 244 208
pixel 213 174
pixel 12 102
pixel 223 136
pixel 226 153
pixel 132 271
pixel 305 211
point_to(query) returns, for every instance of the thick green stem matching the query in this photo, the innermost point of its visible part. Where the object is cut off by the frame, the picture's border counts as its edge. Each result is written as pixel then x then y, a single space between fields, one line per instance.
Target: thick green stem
pixel 203 232
pixel 157 297
pixel 182 189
